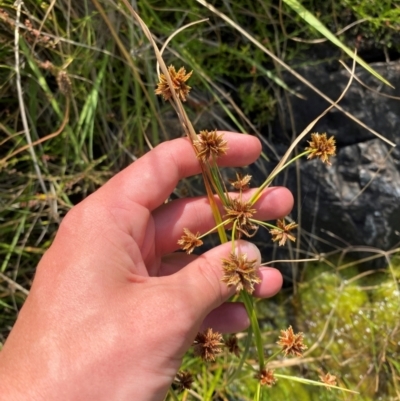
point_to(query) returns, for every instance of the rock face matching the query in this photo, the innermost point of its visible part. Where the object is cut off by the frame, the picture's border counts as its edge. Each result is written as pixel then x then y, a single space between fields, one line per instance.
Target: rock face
pixel 356 201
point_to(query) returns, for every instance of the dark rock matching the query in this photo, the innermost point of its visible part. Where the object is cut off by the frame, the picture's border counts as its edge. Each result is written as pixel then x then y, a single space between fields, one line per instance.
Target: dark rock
pixel 357 199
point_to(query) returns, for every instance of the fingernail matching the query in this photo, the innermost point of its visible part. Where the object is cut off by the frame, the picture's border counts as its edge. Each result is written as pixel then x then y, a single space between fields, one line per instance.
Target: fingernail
pixel 248 248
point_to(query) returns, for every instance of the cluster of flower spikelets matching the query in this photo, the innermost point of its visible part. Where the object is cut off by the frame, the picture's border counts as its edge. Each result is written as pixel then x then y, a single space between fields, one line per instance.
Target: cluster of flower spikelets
pixel 238 218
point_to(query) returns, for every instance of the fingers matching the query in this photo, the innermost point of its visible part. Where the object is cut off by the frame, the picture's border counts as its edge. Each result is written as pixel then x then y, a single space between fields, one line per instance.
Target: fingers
pixel 195 214
pixel 271 282
pixel 230 317
pixel 152 178
pixel 271 279
pixel 174 262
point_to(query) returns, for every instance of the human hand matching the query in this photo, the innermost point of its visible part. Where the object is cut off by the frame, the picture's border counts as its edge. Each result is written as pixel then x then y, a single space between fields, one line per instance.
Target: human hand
pixel 112 310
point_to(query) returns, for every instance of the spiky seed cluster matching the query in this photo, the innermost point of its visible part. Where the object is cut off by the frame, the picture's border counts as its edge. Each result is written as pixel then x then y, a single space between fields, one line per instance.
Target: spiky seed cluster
pixel 282 233
pixel 210 144
pixel 292 344
pixel 241 212
pixel 266 377
pixel 183 381
pixel 242 182
pixel 232 344
pixel 207 345
pixel 189 241
pixel 179 83
pixel 321 147
pixel 328 379
pixel 240 272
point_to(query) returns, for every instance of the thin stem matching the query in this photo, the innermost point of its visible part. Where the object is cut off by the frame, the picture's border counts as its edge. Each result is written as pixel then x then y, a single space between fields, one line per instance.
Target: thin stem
pixel 24 118
pixel 214 208
pixel 224 223
pixel 233 235
pixel 273 356
pixel 264 224
pixel 243 357
pixel 268 181
pixel 218 182
pixel 258 393
pixel 248 302
pixel 173 395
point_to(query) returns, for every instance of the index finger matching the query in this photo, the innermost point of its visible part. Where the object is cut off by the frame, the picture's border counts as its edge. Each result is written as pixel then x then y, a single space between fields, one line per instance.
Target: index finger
pixel 152 178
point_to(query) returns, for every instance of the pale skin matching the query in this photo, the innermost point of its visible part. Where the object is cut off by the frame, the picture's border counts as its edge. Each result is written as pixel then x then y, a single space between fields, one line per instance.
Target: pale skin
pixel 112 309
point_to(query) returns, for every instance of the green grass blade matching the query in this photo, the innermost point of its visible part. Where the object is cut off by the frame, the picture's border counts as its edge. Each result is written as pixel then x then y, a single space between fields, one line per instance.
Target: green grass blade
pixel 86 121
pixel 13 243
pixel 321 28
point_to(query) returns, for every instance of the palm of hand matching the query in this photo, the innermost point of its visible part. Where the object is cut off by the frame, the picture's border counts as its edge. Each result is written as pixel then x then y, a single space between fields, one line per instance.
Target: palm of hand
pixel 113 302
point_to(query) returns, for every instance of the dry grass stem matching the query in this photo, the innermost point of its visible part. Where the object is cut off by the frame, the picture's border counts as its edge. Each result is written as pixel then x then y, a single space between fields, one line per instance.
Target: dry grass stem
pixel 297 75
pixel 24 117
pixel 182 28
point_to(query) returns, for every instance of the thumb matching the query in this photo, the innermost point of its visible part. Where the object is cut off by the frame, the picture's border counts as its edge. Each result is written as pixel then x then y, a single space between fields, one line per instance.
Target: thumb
pixel 202 279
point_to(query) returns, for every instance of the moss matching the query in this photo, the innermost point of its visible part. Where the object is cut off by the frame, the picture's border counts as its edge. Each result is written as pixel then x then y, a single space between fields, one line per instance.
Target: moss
pixel 359 322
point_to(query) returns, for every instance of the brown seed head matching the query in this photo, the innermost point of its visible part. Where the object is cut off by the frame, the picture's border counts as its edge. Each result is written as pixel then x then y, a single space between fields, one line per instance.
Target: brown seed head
pixel 240 272
pixel 282 233
pixel 266 377
pixel 292 344
pixel 207 345
pixel 183 381
pixel 64 83
pixel 241 212
pixel 210 143
pixel 321 147
pixel 189 241
pixel 328 379
pixel 241 182
pixel 232 344
pixel 179 83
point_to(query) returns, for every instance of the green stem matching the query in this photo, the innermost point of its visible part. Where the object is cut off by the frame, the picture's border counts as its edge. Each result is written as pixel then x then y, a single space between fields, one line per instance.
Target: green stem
pixel 214 208
pixel 268 181
pixel 258 393
pixel 273 356
pixel 212 387
pixel 233 235
pixel 173 395
pixel 264 224
pixel 224 223
pixel 251 311
pixel 218 183
pixel 243 357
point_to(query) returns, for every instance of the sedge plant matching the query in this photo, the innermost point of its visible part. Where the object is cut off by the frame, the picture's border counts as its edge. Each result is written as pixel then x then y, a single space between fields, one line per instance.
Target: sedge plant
pixel 237 221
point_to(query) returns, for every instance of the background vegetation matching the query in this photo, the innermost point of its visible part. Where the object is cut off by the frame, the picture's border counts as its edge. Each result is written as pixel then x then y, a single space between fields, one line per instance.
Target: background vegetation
pixel 87 79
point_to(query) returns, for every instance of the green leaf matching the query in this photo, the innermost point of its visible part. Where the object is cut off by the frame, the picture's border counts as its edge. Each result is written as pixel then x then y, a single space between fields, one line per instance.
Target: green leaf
pixel 315 23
